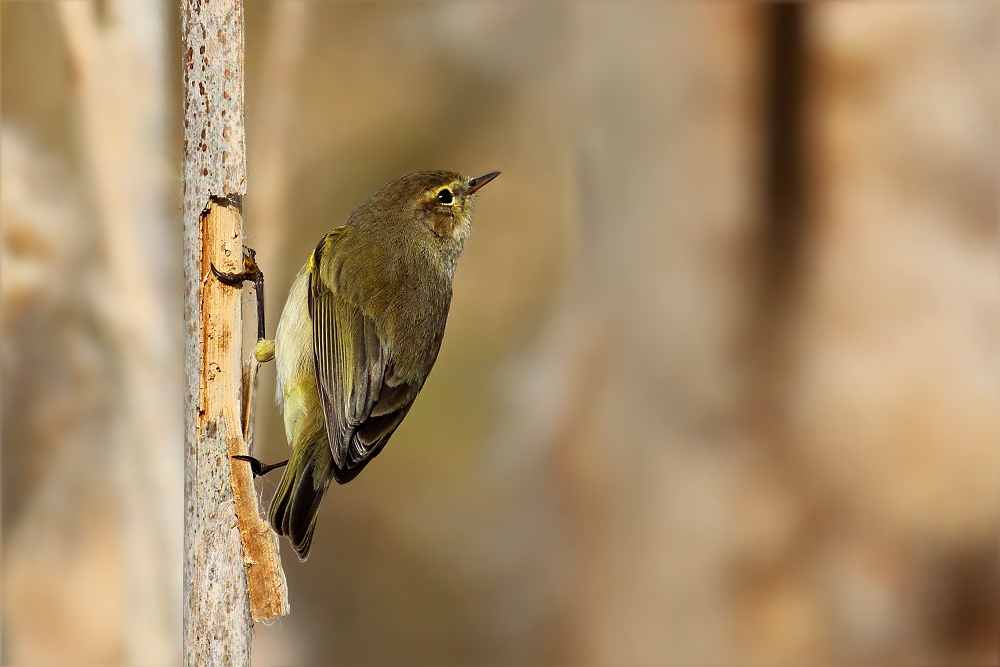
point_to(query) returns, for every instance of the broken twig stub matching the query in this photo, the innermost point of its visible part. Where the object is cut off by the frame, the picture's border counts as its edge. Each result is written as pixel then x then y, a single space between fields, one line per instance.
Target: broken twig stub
pixel 224 380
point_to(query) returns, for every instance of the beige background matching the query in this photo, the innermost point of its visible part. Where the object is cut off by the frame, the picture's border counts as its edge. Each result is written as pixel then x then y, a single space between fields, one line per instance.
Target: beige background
pixel 680 415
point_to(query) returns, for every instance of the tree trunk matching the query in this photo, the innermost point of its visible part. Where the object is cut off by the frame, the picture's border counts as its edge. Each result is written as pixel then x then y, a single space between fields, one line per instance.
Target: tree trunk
pixel 221 575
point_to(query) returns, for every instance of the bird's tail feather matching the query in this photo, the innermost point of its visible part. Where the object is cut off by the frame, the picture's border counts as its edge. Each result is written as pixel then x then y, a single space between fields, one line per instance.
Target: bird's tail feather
pixel 297 500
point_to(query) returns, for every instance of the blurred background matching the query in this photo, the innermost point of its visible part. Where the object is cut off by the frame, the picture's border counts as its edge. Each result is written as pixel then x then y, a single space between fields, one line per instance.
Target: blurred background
pixel 720 381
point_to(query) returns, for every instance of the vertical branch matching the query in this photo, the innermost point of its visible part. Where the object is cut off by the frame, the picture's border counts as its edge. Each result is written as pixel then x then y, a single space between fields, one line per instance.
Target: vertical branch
pixel 217 623
pixel 119 89
pixel 219 570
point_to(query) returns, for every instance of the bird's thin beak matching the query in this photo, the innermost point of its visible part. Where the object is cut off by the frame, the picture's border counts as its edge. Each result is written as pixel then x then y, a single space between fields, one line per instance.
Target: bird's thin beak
pixel 479 182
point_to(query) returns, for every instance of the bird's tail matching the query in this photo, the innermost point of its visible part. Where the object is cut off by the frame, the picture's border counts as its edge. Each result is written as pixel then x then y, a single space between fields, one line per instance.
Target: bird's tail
pixel 302 487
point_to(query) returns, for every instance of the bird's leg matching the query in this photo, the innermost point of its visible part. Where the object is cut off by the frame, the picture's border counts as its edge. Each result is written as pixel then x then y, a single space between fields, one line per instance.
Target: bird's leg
pixel 253 273
pixel 263 352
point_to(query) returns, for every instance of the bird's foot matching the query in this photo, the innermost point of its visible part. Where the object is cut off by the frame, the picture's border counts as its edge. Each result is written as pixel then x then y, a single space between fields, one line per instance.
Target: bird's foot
pixel 263 351
pixel 252 272
pixel 259 469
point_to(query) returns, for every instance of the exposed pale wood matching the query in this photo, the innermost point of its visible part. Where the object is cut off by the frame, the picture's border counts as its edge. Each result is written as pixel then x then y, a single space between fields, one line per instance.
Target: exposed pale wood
pixel 221 577
pixel 265 579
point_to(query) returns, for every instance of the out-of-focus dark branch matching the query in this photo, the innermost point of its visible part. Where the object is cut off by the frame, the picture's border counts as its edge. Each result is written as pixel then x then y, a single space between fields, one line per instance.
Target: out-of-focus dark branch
pixel 783 214
pixel 784 149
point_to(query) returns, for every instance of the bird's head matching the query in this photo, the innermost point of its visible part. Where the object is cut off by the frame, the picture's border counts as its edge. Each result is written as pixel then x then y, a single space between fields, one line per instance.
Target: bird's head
pixel 440 201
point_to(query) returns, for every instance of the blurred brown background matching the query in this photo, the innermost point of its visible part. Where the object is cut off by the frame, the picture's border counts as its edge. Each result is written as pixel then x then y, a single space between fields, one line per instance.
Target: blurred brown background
pixel 720 382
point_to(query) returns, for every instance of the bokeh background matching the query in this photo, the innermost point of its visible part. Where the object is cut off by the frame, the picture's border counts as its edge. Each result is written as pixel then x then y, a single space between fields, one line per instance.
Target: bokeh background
pixel 720 382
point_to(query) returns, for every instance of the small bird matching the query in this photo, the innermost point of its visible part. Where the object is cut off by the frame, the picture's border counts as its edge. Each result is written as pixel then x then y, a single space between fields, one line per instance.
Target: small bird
pixel 359 334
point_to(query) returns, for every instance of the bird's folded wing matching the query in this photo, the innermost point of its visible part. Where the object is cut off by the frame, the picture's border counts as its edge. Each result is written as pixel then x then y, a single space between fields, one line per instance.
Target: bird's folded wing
pixel 363 401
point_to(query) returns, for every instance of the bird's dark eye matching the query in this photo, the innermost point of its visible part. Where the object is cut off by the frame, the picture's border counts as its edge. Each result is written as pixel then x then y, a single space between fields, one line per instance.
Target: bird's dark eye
pixel 445 196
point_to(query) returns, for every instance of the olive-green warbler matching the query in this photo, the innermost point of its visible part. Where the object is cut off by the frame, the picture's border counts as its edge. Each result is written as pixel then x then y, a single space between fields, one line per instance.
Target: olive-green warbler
pixel 359 334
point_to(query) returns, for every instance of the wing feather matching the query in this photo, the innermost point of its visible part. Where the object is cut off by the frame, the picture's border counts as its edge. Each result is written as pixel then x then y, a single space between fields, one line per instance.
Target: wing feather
pixel 352 363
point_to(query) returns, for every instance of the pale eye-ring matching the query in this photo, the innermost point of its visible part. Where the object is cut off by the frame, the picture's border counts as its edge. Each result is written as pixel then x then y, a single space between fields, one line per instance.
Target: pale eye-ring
pixel 444 196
